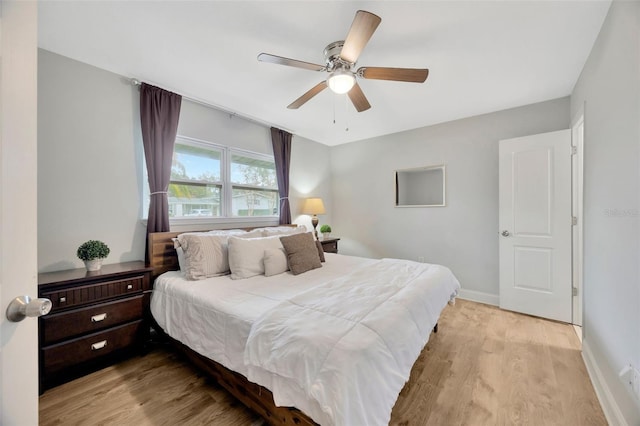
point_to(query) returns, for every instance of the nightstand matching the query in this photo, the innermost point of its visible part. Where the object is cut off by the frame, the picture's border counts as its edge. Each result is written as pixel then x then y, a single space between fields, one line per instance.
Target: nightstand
pixel 96 319
pixel 330 245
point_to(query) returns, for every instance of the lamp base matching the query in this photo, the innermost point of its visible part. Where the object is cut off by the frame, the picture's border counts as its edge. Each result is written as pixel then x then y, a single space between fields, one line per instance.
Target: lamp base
pixel 314 222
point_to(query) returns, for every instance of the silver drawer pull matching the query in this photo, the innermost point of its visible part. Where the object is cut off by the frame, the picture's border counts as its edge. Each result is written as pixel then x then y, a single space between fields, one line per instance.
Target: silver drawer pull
pixel 63 299
pixel 129 286
pixel 98 318
pixel 99 345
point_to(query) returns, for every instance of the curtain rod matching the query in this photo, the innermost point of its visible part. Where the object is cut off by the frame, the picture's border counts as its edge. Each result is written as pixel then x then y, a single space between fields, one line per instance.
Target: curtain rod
pixel 136 82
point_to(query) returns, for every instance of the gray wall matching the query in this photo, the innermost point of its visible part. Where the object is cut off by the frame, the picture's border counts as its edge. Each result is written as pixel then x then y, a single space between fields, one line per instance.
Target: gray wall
pixel 88 162
pixel 90 158
pixel 464 234
pixel 609 91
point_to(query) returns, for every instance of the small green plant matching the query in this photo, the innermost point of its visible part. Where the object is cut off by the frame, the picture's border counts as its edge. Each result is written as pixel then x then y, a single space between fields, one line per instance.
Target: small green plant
pixel 93 249
pixel 325 228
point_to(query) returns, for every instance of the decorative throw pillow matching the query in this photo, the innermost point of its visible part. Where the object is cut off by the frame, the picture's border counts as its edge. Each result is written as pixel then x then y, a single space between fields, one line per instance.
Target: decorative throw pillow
pixel 320 251
pixel 302 252
pixel 205 255
pixel 275 262
pixel 246 256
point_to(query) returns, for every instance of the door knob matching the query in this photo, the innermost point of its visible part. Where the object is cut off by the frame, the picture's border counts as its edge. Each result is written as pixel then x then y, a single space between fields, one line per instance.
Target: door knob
pixel 505 233
pixel 23 306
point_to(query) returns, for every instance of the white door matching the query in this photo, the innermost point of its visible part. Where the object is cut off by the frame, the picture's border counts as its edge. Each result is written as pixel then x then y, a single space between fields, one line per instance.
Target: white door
pixel 535 225
pixel 18 209
pixel 577 164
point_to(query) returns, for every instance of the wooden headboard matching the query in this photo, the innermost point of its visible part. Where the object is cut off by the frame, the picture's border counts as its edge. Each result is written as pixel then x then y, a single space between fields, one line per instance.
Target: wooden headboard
pixel 162 254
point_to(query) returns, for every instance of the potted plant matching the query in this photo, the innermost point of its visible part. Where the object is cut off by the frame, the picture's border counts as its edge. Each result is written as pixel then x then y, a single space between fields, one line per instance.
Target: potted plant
pixel 92 252
pixel 326 231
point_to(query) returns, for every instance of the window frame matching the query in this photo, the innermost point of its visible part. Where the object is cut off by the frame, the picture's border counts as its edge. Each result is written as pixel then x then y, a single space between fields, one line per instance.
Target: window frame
pixel 226 187
pixel 231 185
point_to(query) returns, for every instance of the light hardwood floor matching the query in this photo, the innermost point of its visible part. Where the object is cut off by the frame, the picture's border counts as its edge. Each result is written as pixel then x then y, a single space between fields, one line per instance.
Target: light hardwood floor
pixel 485 366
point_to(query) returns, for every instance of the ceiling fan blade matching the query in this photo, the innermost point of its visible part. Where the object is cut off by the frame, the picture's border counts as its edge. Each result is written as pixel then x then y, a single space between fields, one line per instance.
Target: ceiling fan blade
pixel 362 28
pixel 308 95
pixel 413 75
pixel 358 98
pixel 265 57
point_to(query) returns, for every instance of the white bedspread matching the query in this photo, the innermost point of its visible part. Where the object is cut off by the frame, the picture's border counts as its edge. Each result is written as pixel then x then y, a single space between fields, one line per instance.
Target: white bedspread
pixel 215 317
pixel 349 344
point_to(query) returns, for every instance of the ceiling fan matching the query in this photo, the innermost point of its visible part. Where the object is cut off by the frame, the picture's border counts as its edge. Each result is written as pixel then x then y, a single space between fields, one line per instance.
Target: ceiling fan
pixel 341 57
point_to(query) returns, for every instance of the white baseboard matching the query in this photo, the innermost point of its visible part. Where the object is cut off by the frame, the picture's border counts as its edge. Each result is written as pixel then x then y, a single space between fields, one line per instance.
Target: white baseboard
pixel 607 401
pixel 479 296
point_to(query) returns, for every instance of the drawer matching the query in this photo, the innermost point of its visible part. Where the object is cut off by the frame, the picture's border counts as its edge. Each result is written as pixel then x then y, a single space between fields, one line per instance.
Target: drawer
pixel 71 353
pixel 67 324
pixel 85 294
pixel 330 247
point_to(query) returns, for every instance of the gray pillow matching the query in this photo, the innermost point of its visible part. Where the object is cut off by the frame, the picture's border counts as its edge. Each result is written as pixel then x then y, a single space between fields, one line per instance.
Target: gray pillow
pixel 302 252
pixel 320 251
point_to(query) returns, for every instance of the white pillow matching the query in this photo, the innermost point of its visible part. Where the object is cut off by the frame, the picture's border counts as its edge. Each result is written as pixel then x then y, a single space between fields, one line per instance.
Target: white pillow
pixel 283 230
pixel 250 234
pixel 246 256
pixel 275 262
pixel 227 232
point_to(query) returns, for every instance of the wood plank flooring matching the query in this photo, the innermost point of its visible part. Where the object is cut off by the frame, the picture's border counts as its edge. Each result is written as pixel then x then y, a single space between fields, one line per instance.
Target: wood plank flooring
pixel 485 366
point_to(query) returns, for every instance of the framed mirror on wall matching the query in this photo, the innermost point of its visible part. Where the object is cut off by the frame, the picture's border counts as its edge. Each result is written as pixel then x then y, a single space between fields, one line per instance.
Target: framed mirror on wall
pixel 421 187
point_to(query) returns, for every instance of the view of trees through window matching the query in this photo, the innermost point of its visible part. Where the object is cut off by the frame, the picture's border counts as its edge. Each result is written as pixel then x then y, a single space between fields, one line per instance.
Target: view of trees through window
pixel 253 182
pixel 198 186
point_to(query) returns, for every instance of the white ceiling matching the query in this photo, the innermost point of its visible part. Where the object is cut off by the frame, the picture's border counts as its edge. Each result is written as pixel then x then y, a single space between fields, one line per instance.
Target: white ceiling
pixel 483 56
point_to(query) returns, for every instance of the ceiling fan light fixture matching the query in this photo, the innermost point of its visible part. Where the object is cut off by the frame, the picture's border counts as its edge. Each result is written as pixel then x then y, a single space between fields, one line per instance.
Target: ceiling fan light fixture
pixel 341 81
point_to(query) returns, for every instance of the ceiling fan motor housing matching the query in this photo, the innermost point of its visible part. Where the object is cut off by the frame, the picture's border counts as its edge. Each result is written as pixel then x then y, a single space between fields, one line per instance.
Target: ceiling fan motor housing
pixel 333 59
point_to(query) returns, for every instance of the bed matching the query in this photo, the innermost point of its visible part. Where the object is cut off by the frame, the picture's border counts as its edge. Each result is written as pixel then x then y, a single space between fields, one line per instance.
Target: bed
pixel 336 342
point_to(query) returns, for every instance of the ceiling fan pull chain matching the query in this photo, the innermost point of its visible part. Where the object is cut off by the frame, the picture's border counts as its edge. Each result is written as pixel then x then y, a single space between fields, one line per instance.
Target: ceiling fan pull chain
pixel 346 114
pixel 334 108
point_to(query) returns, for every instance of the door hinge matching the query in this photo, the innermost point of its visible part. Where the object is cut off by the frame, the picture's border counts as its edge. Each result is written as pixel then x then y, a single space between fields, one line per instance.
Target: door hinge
pixel 574 150
pixel 575 291
pixel 574 220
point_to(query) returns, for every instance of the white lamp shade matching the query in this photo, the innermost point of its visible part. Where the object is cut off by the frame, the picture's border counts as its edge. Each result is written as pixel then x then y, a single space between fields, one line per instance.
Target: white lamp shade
pixel 341 81
pixel 313 206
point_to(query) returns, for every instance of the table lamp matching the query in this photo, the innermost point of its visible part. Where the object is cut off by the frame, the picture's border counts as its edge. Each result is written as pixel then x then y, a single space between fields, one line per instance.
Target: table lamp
pixel 313 206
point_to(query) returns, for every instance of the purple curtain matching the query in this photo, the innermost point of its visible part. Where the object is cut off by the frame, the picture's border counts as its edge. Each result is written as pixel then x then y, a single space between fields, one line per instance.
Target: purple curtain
pixel 159 113
pixel 281 142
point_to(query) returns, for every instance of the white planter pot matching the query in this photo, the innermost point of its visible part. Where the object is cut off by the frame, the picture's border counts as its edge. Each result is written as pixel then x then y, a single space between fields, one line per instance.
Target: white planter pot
pixel 326 235
pixel 93 265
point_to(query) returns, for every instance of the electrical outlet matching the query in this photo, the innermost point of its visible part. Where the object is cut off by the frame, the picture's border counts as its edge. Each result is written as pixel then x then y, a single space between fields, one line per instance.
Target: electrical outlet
pixel 421 259
pixel 636 382
pixel 631 376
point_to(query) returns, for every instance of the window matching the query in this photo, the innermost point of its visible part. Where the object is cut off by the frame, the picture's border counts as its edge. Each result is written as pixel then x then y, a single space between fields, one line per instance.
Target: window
pixel 254 186
pixel 195 188
pixel 214 181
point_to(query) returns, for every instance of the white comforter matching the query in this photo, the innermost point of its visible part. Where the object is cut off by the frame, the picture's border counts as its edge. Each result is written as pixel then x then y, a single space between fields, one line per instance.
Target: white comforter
pixel 349 344
pixel 216 316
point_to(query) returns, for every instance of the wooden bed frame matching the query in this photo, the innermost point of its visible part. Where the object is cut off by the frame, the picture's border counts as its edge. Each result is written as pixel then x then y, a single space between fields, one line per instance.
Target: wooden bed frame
pixel 163 258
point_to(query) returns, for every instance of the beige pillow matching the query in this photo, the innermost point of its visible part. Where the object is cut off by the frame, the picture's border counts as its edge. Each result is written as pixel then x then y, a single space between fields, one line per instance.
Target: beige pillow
pixel 302 252
pixel 275 262
pixel 205 255
pixel 246 256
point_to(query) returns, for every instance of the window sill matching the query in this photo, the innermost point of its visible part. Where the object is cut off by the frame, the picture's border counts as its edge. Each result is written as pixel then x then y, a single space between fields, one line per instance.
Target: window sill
pixel 219 222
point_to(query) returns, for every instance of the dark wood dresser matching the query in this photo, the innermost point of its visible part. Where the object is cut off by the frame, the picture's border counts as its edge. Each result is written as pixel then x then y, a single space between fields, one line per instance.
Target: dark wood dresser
pixel 96 319
pixel 330 245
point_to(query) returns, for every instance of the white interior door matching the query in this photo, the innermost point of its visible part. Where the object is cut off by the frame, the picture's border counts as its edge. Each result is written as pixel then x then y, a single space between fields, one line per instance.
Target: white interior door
pixel 18 209
pixel 535 225
pixel 577 141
